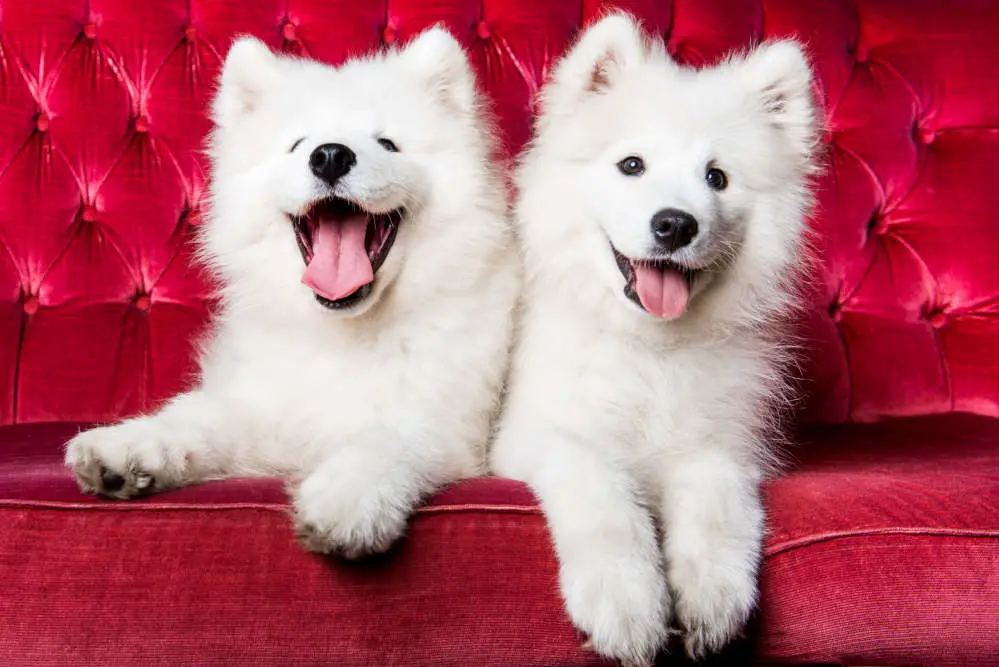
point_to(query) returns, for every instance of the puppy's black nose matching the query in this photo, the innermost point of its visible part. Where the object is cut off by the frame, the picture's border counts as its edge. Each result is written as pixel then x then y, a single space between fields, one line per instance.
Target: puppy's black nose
pixel 673 229
pixel 331 161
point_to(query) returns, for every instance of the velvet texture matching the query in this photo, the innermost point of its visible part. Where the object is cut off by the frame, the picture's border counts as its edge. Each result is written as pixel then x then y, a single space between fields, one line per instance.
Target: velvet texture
pixel 883 549
pixel 103 114
pixel 883 545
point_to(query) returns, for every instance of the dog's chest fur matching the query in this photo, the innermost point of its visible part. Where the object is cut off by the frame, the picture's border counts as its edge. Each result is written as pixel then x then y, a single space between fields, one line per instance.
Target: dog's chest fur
pixel 642 396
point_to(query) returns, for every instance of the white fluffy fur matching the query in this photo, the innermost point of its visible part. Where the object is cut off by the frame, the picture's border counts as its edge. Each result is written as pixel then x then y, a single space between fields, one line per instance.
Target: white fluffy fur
pixel 371 409
pixel 623 423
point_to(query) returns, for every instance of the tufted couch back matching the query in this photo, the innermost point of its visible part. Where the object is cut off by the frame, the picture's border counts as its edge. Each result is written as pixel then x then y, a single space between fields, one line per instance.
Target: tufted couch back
pixel 103 113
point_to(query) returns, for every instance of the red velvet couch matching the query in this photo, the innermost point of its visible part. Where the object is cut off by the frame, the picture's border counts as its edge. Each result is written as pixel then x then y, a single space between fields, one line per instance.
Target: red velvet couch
pixel 884 540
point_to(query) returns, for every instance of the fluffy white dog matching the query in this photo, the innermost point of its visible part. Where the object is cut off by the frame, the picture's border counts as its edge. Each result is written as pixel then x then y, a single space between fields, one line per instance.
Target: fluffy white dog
pixel 368 272
pixel 662 210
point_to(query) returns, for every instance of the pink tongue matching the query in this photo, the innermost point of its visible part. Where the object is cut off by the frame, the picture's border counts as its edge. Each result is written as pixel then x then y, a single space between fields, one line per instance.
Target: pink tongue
pixel 340 264
pixel 663 292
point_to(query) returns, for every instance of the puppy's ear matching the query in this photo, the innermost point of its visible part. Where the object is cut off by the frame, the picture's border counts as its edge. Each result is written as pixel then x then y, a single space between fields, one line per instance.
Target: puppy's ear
pixel 606 50
pixel 440 60
pixel 250 70
pixel 779 81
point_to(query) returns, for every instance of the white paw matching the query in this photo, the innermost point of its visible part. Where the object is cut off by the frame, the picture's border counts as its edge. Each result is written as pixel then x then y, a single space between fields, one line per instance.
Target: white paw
pixel 622 604
pixel 336 515
pixel 124 461
pixel 713 602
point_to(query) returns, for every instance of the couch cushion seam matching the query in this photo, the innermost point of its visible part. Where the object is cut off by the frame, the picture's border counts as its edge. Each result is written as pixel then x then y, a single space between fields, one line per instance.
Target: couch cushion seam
pixel 802 542
pixel 274 507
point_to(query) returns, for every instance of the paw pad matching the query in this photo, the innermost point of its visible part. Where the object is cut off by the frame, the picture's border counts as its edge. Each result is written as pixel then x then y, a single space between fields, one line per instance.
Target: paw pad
pixel 111 481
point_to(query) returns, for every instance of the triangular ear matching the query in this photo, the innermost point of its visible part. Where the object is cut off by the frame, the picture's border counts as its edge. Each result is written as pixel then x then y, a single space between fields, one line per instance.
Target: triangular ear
pixel 437 58
pixel 605 51
pixel 780 81
pixel 250 70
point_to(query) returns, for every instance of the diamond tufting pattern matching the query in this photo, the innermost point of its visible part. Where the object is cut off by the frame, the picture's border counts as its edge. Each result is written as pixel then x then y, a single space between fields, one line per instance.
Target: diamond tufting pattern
pixel 102 117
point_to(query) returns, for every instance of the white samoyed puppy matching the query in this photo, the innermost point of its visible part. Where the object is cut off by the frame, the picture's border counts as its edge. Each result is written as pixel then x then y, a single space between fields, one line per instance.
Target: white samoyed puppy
pixel 367 273
pixel 661 210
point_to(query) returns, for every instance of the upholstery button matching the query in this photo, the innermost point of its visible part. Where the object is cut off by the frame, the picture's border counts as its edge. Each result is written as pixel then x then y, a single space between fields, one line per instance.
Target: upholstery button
pixel 142 124
pixel 42 122
pixel 936 318
pixel 927 135
pixel 836 311
pixel 877 225
pixel 190 33
pixel 482 30
pixel 31 305
pixel 388 35
pixel 860 54
pixel 89 214
pixel 90 30
pixel 288 32
pixel 142 302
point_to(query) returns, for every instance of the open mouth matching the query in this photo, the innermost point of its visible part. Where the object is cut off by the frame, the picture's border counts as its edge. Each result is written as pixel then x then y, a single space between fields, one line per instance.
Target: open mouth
pixel 661 287
pixel 343 247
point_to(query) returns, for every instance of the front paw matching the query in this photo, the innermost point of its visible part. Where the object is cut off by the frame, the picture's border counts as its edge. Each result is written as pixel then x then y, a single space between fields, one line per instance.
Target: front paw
pixel 713 602
pixel 335 517
pixel 123 461
pixel 622 604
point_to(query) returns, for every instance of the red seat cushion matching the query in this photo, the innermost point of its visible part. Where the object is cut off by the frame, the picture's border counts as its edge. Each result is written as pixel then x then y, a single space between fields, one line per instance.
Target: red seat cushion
pixel 213 572
pixel 884 549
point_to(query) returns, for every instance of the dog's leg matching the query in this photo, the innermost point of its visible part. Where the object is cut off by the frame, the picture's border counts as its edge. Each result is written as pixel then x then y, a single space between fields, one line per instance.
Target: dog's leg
pixel 610 566
pixel 358 501
pixel 714 526
pixel 187 441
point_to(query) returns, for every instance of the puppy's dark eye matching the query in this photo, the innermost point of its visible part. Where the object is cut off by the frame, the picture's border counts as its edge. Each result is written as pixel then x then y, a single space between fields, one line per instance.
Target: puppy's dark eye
pixel 388 145
pixel 631 166
pixel 295 145
pixel 716 179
